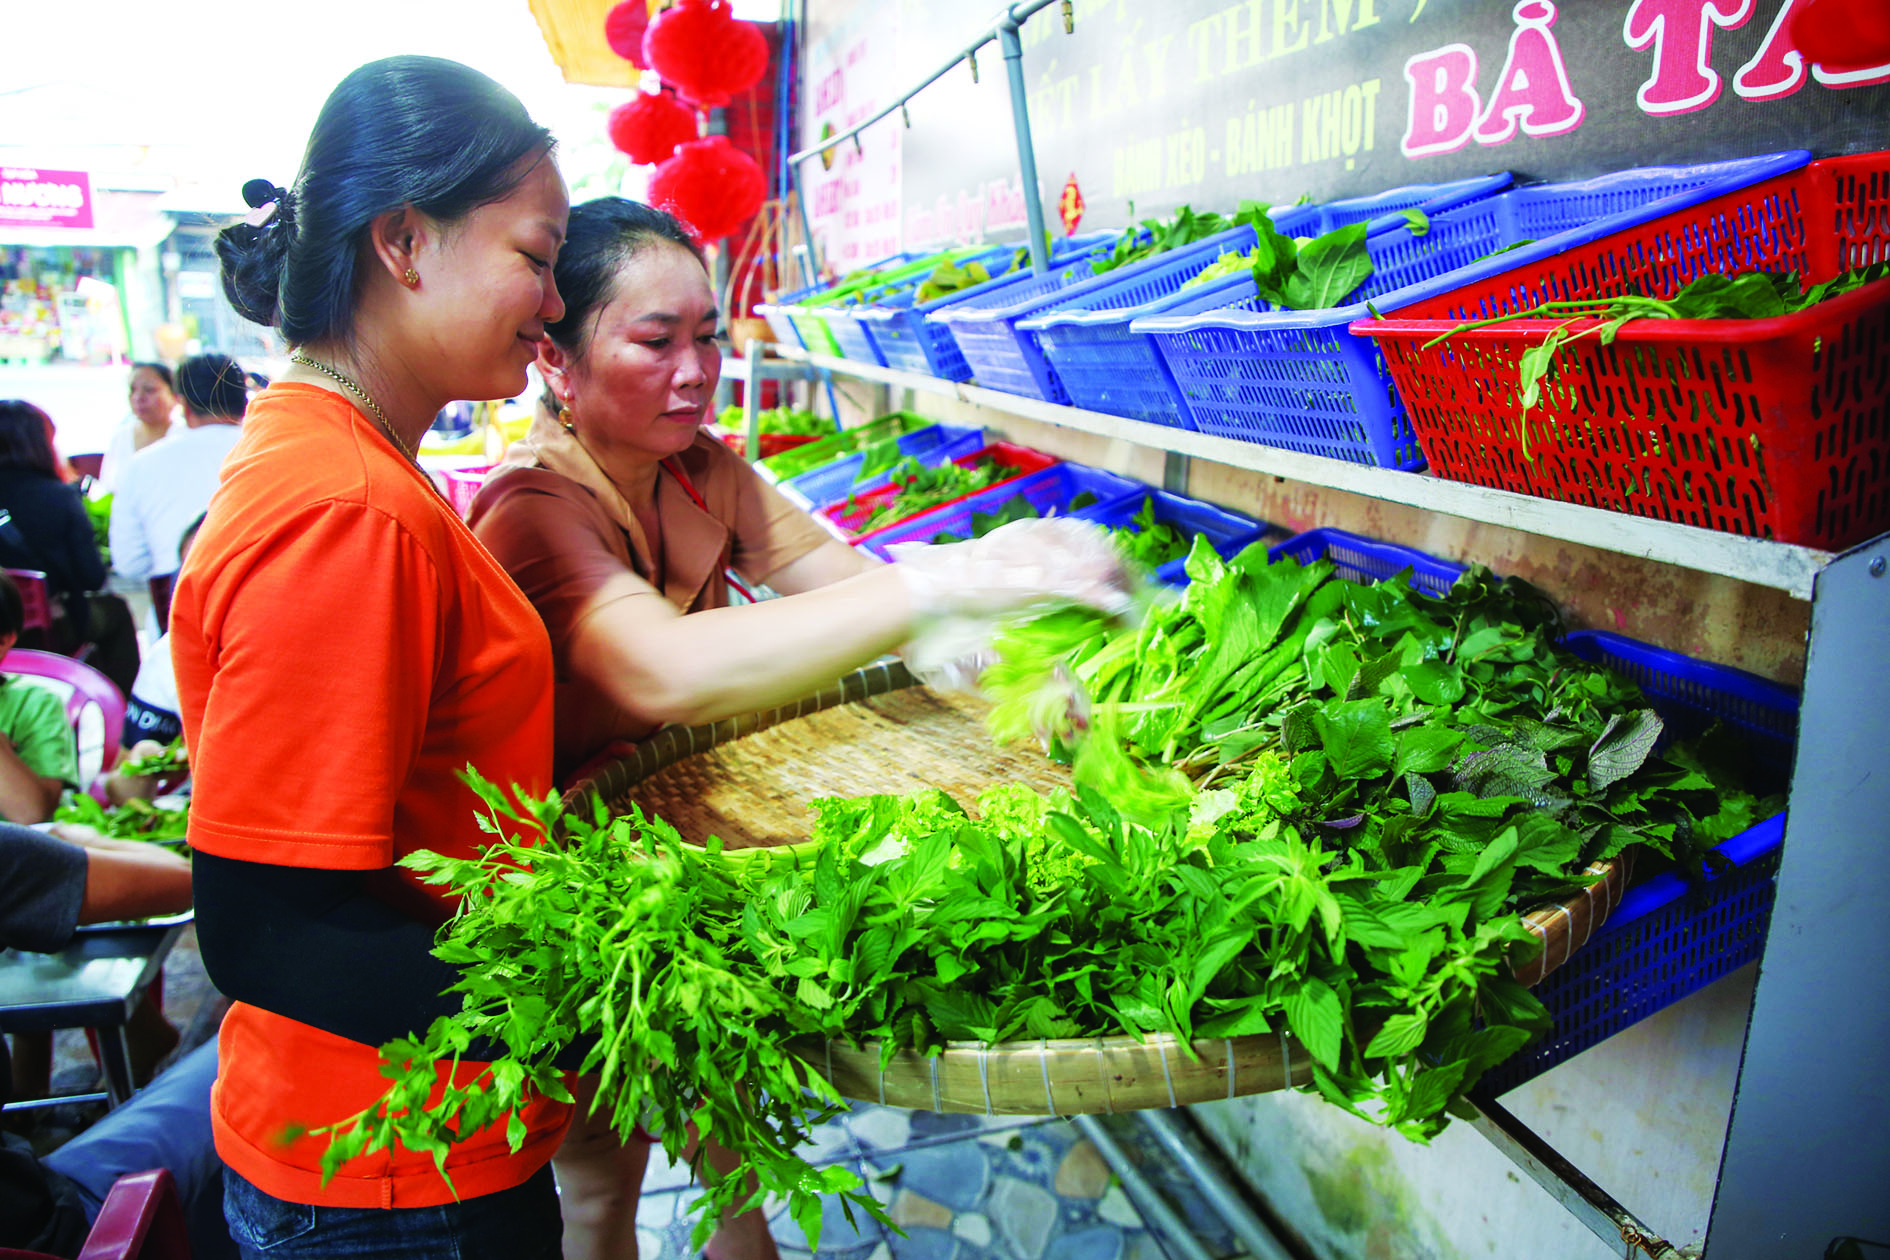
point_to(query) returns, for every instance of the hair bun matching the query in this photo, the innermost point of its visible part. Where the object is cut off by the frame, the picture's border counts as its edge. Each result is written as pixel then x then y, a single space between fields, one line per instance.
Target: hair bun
pixel 258 193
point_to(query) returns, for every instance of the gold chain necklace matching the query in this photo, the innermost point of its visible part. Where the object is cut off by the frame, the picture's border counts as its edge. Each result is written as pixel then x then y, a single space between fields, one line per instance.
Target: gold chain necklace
pixel 374 407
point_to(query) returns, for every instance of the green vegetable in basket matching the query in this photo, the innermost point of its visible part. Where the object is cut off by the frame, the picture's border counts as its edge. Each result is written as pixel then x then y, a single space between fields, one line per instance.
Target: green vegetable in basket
pixel 1322 272
pixel 949 277
pixel 1715 295
pixel 1157 236
pixel 787 421
pixel 922 488
pixel 1148 542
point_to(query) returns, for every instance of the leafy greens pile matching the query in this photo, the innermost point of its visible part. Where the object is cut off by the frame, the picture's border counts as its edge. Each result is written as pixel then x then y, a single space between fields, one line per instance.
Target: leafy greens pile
pixel 1715 295
pixel 920 488
pixel 1299 804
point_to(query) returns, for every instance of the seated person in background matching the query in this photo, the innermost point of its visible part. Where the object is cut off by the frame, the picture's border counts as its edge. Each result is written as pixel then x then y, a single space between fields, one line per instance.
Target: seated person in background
pixel 151 709
pixel 39 758
pixel 49 884
pixel 168 485
pixel 153 408
pixel 46 528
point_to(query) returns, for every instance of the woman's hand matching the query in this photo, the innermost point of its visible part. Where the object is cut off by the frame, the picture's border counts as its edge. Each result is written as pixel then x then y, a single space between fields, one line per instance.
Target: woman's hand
pixel 1016 566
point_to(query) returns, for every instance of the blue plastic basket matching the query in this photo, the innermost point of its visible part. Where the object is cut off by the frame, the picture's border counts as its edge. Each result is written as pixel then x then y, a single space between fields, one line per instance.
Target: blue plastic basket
pixel 1049 491
pixel 1301 380
pixel 1229 532
pixel 855 336
pixel 906 338
pixel 821 487
pixel 1085 333
pixel 1675 933
pixel 776 314
pixel 1361 559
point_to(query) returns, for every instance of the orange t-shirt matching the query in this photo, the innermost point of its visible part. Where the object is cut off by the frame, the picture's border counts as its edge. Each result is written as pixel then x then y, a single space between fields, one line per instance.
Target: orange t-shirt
pixel 345 647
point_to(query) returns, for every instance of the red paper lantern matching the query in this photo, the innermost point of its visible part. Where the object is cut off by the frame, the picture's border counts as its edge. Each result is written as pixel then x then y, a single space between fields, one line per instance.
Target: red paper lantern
pixel 650 125
pixel 704 51
pixel 623 31
pixel 710 185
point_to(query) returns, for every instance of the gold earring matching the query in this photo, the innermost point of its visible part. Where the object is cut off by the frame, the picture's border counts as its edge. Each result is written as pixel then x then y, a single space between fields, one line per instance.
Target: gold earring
pixel 411 278
pixel 565 418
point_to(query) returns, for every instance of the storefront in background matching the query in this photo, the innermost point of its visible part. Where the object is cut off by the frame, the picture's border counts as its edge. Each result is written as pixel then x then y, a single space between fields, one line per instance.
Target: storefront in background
pixel 70 280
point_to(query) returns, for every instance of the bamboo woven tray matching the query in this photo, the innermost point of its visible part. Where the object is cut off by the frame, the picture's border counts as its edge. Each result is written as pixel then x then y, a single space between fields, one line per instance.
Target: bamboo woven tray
pixel 749 780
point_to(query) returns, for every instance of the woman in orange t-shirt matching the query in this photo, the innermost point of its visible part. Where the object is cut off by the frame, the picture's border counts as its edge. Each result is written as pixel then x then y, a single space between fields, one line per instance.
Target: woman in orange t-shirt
pixel 344 648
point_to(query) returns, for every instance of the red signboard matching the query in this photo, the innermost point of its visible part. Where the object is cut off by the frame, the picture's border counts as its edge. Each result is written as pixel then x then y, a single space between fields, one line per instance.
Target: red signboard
pixel 39 198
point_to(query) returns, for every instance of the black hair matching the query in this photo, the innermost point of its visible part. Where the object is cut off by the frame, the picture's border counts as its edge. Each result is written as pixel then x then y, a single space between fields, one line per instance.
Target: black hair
pixel 213 385
pixel 156 369
pixel 26 438
pixel 12 606
pixel 189 535
pixel 420 131
pixel 601 237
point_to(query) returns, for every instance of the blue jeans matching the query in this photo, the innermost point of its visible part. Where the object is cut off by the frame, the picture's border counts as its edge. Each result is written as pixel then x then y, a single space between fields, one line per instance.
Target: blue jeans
pixel 517 1224
pixel 165 1125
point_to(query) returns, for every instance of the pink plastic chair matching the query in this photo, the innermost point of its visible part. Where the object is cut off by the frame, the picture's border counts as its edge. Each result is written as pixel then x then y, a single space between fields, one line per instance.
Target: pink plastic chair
pixel 141 1219
pixel 34 599
pixel 89 687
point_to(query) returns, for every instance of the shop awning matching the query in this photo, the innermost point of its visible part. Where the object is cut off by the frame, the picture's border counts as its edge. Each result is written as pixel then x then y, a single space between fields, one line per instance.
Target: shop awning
pixel 119 220
pixel 574 32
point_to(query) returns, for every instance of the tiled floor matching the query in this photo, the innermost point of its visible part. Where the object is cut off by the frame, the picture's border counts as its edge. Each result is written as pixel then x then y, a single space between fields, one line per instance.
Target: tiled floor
pixel 961 1187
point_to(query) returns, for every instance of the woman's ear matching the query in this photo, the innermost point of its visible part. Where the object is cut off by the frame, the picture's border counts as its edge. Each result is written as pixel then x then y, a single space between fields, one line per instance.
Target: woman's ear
pixel 397 238
pixel 554 365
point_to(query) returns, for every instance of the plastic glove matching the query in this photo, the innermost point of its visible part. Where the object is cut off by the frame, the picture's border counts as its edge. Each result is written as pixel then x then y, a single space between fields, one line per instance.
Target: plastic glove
pixel 960 591
pixel 1021 565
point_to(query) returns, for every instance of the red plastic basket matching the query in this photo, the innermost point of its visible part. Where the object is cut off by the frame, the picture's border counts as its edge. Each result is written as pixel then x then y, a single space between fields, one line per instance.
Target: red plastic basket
pixel 844 517
pixel 1774 428
pixel 771 443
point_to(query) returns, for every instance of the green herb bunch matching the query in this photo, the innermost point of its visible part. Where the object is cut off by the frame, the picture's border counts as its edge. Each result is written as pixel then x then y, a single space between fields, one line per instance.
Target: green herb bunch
pixel 1151 237
pixel 134 820
pixel 169 761
pixel 1297 275
pixel 1715 295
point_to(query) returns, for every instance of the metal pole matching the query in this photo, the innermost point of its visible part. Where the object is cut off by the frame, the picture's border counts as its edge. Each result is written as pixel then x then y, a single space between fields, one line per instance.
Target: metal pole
pixel 1221 1195
pixel 1584 1200
pixel 1147 1199
pixel 751 402
pixel 1026 150
pixel 1014 16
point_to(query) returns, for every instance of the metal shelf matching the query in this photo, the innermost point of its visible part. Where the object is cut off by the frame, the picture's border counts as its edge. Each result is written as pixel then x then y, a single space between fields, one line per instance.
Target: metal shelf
pixel 1772 564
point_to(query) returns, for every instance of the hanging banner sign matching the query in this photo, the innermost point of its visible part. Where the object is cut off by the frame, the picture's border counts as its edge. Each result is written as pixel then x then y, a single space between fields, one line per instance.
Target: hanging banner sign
pixel 852 190
pixel 40 198
pixel 1204 102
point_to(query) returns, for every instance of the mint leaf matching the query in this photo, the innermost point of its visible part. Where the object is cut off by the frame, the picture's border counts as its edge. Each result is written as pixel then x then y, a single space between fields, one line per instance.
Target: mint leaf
pixel 1315 1016
pixel 1356 736
pixel 1622 747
